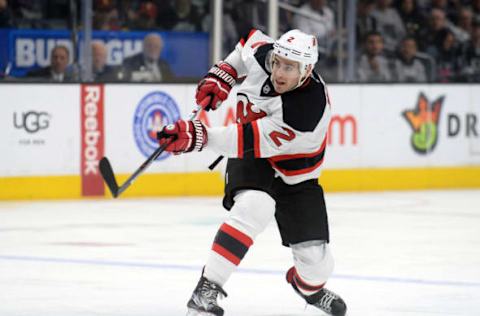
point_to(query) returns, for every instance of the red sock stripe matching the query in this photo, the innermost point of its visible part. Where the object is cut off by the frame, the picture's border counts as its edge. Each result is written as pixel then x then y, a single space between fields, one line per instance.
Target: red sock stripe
pixel 235 233
pixel 226 254
pixel 304 285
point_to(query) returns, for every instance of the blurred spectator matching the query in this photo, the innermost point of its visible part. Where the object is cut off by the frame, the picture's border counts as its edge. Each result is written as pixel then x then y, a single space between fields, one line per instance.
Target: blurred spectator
pixel 412 19
pixel 230 36
pixel 145 18
pixel 106 15
pixel 245 15
pixel 450 11
pixel 29 13
pixel 408 67
pixel 147 66
pixel 5 15
pixel 57 13
pixel 101 71
pixel 447 6
pixel 389 24
pixel 373 65
pixel 187 18
pixel 430 36
pixel 476 11
pixel 57 71
pixel 166 16
pixel 365 22
pixel 470 67
pixel 447 58
pixel 465 24
pixel 323 25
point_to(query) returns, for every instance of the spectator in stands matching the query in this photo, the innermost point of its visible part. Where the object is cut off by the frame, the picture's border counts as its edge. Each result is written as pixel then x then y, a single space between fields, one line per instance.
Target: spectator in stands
pixel 166 16
pixel 476 11
pixel 388 24
pixel 147 66
pixel 57 13
pixel 450 14
pixel 145 17
pixel 449 7
pixel 28 13
pixel 430 36
pixel 229 35
pixel 365 21
pixel 465 24
pixel 412 19
pixel 106 15
pixel 101 71
pixel 5 15
pixel 187 18
pixel 58 70
pixel 373 65
pixel 470 62
pixel 447 58
pixel 322 25
pixel 408 67
pixel 245 15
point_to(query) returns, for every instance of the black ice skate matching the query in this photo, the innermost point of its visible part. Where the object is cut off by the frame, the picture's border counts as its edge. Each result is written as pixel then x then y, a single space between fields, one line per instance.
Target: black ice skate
pixel 204 299
pixel 324 299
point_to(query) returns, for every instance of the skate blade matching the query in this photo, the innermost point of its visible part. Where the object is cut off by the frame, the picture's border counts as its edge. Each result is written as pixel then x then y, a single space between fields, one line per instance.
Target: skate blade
pixel 192 312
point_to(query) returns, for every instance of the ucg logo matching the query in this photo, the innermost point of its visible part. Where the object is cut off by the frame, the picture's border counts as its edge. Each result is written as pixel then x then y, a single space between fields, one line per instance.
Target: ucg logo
pixel 31 121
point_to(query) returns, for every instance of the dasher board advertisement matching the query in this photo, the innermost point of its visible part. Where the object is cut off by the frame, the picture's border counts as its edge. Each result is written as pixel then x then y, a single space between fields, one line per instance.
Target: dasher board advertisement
pixel 40 130
pixel 379 126
pixel 375 126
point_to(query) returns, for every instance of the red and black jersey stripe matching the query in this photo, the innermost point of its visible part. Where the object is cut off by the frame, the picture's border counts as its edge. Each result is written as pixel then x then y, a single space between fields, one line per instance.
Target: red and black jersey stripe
pixel 296 164
pixel 248 140
pixel 231 243
pixel 245 38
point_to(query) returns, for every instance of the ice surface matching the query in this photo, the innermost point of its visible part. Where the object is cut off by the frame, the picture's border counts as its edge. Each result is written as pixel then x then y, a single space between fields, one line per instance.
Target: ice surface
pixel 397 253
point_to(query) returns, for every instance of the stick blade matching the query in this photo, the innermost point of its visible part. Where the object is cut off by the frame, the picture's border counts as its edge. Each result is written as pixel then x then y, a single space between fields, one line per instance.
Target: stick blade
pixel 108 176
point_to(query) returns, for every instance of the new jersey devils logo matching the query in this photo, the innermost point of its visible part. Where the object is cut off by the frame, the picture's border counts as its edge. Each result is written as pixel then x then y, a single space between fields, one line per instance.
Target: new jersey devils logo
pixel 246 110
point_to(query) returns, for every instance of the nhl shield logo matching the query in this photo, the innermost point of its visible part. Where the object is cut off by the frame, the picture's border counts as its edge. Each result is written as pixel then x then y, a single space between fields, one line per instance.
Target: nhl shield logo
pixel 266 89
pixel 156 110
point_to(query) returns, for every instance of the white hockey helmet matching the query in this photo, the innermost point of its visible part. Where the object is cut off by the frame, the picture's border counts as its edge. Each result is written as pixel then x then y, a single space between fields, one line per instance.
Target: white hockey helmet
pixel 297 46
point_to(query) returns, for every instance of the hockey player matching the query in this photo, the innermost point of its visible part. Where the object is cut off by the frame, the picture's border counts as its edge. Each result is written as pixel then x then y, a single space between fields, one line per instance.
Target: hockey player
pixel 276 150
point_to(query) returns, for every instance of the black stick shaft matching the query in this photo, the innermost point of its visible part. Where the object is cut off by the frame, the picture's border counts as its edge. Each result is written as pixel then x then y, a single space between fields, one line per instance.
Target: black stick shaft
pixel 215 163
pixel 142 168
pixel 146 163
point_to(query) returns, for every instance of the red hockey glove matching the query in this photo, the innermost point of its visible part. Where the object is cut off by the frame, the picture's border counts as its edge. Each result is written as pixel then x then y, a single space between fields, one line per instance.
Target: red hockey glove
pixel 183 136
pixel 215 87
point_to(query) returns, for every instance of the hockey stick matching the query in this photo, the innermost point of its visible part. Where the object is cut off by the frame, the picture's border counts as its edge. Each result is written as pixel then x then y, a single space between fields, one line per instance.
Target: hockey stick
pixel 215 163
pixel 109 177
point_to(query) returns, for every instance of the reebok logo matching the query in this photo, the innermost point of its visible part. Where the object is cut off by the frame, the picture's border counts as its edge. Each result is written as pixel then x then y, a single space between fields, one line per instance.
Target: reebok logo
pixel 92 138
pixel 92 133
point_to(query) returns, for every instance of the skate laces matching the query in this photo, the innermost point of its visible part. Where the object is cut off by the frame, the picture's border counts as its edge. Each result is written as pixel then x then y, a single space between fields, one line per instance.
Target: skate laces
pixel 326 300
pixel 210 291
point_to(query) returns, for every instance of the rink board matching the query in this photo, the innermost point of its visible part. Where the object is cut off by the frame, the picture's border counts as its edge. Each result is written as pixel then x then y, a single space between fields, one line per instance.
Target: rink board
pixel 382 137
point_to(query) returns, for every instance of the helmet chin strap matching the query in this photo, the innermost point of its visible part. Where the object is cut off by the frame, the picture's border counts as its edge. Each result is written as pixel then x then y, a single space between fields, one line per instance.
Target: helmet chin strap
pixel 304 75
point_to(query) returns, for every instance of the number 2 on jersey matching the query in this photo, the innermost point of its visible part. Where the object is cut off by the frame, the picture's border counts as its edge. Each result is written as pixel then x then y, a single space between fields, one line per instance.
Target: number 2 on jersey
pixel 276 136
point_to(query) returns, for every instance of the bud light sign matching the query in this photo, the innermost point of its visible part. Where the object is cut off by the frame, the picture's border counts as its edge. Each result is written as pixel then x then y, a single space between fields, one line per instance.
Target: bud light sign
pixel 23 50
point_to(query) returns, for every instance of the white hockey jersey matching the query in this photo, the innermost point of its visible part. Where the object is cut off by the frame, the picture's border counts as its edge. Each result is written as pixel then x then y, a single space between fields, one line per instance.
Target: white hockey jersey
pixel 290 130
